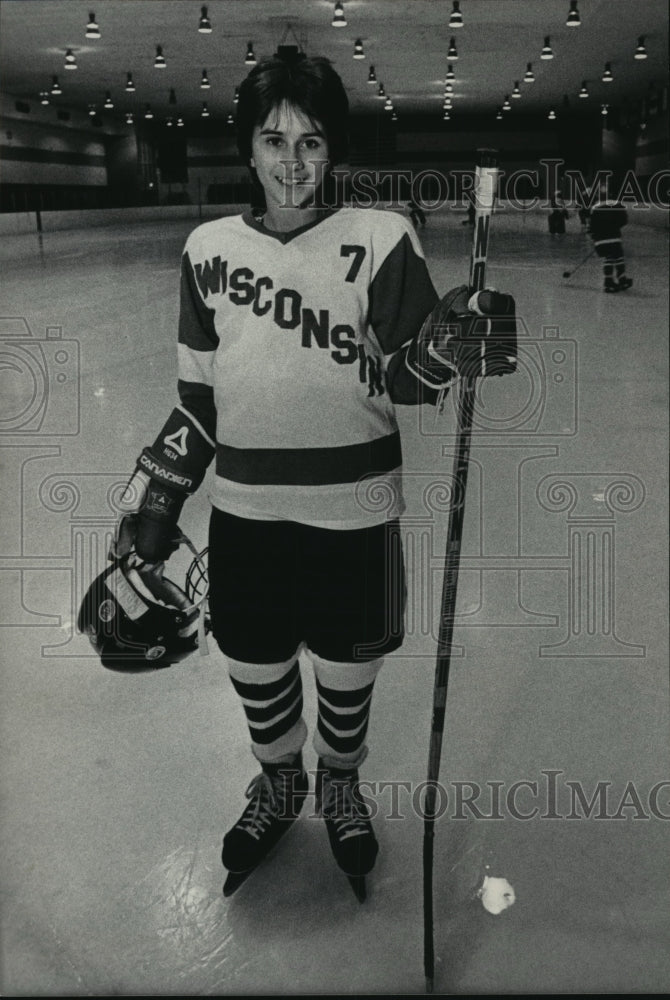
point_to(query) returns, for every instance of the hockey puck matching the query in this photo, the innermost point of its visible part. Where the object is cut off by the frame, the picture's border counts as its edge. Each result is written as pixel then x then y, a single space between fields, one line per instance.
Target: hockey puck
pixel 566 274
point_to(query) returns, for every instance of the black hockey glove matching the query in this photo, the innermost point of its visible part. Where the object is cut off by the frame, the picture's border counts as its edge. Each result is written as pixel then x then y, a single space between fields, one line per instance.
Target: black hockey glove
pixel 156 532
pixel 167 474
pixel 465 337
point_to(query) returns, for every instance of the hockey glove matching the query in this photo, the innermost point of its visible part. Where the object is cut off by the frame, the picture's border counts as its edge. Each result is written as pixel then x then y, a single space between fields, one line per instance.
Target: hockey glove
pixel 169 472
pixel 157 535
pixel 465 337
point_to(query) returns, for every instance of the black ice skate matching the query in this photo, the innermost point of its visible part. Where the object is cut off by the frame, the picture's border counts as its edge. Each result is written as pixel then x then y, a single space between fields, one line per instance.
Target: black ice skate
pixel 350 832
pixel 611 285
pixel 276 796
pixel 624 283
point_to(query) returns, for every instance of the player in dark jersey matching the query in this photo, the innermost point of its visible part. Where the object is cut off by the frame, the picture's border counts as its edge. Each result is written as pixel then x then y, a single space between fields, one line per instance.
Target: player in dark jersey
pixel 557 215
pixel 299 330
pixel 607 219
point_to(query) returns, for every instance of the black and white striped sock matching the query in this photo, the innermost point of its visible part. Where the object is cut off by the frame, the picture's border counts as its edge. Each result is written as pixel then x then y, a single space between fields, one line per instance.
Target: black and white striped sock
pixel 344 692
pixel 271 695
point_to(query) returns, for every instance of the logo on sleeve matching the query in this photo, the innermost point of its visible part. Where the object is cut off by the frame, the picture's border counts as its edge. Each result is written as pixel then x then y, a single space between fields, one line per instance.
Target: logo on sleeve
pixel 178 441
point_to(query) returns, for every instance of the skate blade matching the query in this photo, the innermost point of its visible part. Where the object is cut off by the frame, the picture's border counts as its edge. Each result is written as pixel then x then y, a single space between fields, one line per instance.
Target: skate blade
pixel 357 883
pixel 234 880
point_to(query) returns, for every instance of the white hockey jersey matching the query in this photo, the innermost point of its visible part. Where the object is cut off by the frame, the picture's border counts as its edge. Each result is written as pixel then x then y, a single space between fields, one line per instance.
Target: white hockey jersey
pixel 283 339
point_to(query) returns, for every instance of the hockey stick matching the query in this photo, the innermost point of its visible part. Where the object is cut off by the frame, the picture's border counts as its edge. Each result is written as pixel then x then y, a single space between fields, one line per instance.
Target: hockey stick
pixel 569 274
pixel 485 185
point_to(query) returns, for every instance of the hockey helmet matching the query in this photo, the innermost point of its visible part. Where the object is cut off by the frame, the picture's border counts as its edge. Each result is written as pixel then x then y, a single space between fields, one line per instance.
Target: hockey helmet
pixel 137 619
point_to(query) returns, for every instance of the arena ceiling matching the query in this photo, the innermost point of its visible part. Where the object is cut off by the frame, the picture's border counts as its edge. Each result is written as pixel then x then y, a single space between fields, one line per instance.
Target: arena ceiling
pixel 406 41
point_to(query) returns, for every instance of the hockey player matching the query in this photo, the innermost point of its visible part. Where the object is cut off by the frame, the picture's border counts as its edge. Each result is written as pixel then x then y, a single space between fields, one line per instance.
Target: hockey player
pixel 297 332
pixel 606 222
pixel 557 215
pixel 416 213
pixel 583 211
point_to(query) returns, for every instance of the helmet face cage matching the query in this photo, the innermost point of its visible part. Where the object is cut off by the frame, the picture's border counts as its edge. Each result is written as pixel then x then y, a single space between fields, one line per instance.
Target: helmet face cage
pixel 197 577
pixel 136 619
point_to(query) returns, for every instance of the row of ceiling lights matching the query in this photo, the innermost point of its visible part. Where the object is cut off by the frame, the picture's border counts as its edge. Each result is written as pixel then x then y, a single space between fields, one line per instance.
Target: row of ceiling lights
pixel 573 20
pixel 339 20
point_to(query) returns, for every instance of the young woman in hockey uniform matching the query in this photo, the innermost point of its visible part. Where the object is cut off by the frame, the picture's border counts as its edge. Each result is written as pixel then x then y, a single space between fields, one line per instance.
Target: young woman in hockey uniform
pixel 297 332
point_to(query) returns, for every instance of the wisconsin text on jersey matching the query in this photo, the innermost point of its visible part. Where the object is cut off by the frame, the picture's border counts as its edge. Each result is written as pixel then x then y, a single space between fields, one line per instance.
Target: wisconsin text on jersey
pixel 243 288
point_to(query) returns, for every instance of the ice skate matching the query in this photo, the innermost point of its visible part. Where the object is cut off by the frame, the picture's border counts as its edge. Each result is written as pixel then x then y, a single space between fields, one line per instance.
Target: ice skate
pixel 624 283
pixel 347 819
pixel 276 797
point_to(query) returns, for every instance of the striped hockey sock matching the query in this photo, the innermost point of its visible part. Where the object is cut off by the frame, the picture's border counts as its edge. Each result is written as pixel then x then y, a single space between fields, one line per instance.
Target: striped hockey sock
pixel 271 695
pixel 344 693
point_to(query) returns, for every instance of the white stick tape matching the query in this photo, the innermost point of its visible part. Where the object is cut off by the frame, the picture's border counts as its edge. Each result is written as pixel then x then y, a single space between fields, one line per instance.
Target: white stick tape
pixel 486 179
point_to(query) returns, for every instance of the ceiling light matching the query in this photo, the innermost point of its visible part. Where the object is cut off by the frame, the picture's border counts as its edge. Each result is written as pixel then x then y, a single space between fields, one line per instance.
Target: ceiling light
pixel 516 91
pixel 446 116
pixel 450 73
pixel 530 76
pixel 388 106
pixel 169 122
pixel 91 110
pixel 372 76
pixel 339 20
pixel 640 51
pixel 456 19
pixel 506 104
pixel 452 52
pixel 607 75
pixel 70 60
pixel 358 49
pixel 55 86
pixel 604 109
pixel 394 115
pixel 130 86
pixel 236 95
pixel 44 97
pixel 204 24
pixel 109 104
pixel 204 83
pixel 159 61
pixel 129 118
pixel 230 120
pixel 499 114
pixel 584 91
pixel 148 113
pixel 574 19
pixel 547 51
pixel 381 92
pixel 205 110
pixel 180 122
pixel 92 29
pixel 552 115
pixel 448 87
pixel 250 58
pixel 447 102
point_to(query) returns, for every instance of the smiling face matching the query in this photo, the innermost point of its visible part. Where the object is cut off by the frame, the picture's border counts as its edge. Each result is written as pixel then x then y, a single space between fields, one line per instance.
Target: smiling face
pixel 289 153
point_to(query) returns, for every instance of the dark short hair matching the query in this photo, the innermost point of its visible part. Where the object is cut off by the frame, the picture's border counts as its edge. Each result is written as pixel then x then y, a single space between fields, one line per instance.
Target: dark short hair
pixel 309 83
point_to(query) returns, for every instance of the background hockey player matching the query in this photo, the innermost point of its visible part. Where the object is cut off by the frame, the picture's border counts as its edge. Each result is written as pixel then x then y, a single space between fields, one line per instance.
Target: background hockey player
pixel 557 215
pixel 298 331
pixel 607 219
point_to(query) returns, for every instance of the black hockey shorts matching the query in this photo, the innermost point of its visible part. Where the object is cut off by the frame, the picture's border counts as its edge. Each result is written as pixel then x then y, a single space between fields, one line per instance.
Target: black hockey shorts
pixel 610 251
pixel 277 584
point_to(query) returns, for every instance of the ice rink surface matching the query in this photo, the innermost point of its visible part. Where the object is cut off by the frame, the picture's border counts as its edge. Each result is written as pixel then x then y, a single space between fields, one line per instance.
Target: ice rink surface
pixel 116 790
